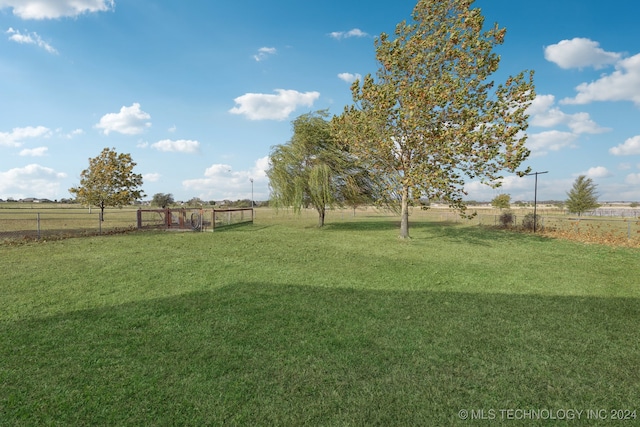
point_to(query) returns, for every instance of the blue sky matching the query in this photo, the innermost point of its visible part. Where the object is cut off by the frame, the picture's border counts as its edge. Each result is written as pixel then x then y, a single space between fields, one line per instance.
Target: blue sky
pixel 199 91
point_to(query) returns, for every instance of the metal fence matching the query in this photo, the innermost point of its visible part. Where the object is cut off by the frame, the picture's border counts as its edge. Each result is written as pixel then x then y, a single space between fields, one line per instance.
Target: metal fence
pixel 192 219
pixel 595 227
pixel 42 224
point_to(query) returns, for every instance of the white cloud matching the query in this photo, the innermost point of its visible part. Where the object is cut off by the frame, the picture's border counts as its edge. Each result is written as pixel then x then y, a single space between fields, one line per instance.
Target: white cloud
pixel 581 123
pixel 51 9
pixel 221 182
pixel 629 148
pixel 17 135
pixel 264 53
pixel 30 38
pixel 543 113
pixel 621 85
pixel 129 121
pixel 632 179
pixel 540 106
pixel 34 152
pixel 172 129
pixel 513 185
pixel 597 172
pixel 30 181
pixel 624 166
pixel 151 177
pixel 349 78
pixel 541 143
pixel 260 106
pixel 180 145
pixel 356 32
pixel 522 188
pixel 69 135
pixel 74 133
pixel 579 53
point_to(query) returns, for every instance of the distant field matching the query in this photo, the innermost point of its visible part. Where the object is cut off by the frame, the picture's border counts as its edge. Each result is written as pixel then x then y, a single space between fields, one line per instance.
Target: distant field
pixel 281 323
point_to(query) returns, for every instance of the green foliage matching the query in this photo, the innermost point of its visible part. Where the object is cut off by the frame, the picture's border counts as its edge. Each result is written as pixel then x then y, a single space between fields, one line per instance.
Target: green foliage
pixel 241 203
pixel 162 200
pixel 582 196
pixel 432 116
pixel 109 181
pixel 501 201
pixel 312 169
pixel 195 201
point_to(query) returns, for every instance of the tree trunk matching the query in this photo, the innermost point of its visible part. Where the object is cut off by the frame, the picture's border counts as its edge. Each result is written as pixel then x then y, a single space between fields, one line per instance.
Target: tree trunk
pixel 321 212
pixel 404 213
pixel 101 211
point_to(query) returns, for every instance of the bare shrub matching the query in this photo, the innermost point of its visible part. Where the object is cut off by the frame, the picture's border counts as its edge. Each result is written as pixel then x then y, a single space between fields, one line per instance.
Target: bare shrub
pixel 507 219
pixel 530 220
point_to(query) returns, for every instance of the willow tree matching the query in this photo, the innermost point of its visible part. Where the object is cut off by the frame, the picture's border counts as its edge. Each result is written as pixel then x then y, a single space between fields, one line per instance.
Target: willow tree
pixel 433 117
pixel 313 169
pixel 109 181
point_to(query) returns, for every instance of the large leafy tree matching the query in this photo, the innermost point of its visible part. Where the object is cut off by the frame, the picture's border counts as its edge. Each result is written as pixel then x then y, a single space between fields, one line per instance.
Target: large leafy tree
pixel 109 181
pixel 162 200
pixel 583 196
pixel 433 116
pixel 313 169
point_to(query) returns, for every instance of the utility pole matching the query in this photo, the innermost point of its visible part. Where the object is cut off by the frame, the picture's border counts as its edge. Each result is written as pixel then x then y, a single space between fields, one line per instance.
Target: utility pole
pixel 535 198
pixel 251 179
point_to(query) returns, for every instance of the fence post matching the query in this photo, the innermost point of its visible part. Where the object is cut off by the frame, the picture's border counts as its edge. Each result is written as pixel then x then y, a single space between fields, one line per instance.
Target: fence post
pixel 38 222
pixel 139 218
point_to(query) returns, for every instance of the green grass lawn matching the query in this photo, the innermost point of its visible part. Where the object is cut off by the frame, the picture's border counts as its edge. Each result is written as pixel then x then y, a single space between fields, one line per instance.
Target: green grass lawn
pixel 280 323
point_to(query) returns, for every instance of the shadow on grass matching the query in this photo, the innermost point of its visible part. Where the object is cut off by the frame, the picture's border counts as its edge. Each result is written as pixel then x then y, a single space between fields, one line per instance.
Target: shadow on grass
pixel 260 354
pixel 452 231
pixel 244 226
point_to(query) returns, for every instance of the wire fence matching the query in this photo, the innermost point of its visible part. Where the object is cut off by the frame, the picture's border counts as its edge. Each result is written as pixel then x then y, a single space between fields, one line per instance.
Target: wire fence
pixel 192 219
pixel 37 223
pixel 612 226
pixel 43 224
pixel 623 230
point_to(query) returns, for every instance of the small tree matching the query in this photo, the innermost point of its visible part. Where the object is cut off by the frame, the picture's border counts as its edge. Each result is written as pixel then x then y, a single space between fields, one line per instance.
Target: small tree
pixel 501 201
pixel 312 169
pixel 582 196
pixel 109 181
pixel 433 115
pixel 195 201
pixel 163 200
